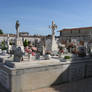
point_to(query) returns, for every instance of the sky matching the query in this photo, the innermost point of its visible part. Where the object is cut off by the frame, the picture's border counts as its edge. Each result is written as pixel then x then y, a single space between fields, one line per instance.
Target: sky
pixel 35 16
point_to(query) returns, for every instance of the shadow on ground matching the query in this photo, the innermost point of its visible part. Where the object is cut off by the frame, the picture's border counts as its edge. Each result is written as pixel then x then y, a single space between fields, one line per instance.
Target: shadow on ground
pixel 84 85
pixel 76 77
pixel 2 89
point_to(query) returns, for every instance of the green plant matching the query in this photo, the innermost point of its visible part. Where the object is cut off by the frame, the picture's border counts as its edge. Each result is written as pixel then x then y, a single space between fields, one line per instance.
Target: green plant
pixel 25 43
pixel 67 57
pixel 11 43
pixel 4 48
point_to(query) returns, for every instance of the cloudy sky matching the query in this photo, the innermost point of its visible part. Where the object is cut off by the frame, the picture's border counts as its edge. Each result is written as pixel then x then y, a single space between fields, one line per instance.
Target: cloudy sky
pixel 36 15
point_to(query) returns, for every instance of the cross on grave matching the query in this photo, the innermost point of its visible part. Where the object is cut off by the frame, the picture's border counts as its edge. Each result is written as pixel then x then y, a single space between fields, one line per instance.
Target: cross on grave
pixel 54 46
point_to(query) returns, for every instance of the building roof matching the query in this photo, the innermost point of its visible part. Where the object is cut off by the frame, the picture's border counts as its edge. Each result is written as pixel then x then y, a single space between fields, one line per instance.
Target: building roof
pixel 24 32
pixel 69 29
pixel 5 35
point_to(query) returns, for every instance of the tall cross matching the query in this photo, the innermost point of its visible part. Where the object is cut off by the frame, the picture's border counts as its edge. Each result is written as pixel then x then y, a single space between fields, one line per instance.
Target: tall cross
pixel 53 27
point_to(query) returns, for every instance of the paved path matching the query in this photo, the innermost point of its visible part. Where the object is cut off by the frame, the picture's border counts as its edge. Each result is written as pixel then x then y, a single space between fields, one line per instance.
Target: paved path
pixel 78 86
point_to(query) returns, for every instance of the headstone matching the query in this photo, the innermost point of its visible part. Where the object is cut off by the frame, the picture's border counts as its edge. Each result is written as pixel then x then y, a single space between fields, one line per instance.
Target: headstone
pixel 47 56
pixel 37 56
pixel 4 52
pixel 18 55
pixel 48 45
pixel 40 47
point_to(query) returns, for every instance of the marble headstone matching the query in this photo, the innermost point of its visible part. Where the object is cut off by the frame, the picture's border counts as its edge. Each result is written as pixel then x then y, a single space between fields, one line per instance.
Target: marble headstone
pixel 18 55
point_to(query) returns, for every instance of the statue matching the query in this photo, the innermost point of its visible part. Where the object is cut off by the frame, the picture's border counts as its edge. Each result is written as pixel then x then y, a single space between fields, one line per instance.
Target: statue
pixel 17 28
pixel 19 42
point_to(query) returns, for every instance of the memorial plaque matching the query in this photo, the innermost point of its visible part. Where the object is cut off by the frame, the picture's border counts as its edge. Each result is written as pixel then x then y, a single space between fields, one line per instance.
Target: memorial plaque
pixel 76 72
pixel 4 78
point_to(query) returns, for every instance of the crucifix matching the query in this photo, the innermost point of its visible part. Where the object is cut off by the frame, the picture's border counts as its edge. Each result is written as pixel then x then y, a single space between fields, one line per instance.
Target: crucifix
pixel 53 27
pixel 53 42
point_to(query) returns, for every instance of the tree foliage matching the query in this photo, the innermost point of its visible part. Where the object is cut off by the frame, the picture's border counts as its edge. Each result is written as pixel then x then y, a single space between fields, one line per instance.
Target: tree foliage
pixel 4 46
pixel 1 31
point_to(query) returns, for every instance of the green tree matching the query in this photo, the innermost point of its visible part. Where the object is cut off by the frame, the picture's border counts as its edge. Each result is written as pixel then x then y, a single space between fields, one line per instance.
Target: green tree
pixel 25 43
pixel 1 31
pixel 3 45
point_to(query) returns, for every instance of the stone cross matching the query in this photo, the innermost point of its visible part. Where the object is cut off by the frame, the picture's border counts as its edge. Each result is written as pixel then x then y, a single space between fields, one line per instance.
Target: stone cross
pixel 54 46
pixel 53 27
pixel 17 28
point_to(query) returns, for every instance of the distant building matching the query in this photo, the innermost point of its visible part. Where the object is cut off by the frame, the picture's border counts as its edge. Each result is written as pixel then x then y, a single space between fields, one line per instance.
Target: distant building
pixel 12 37
pixel 80 34
pixel 23 33
pixel 50 37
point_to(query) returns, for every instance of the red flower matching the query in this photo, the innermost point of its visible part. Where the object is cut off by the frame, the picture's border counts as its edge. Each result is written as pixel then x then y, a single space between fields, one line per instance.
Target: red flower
pixel 62 51
pixel 28 50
